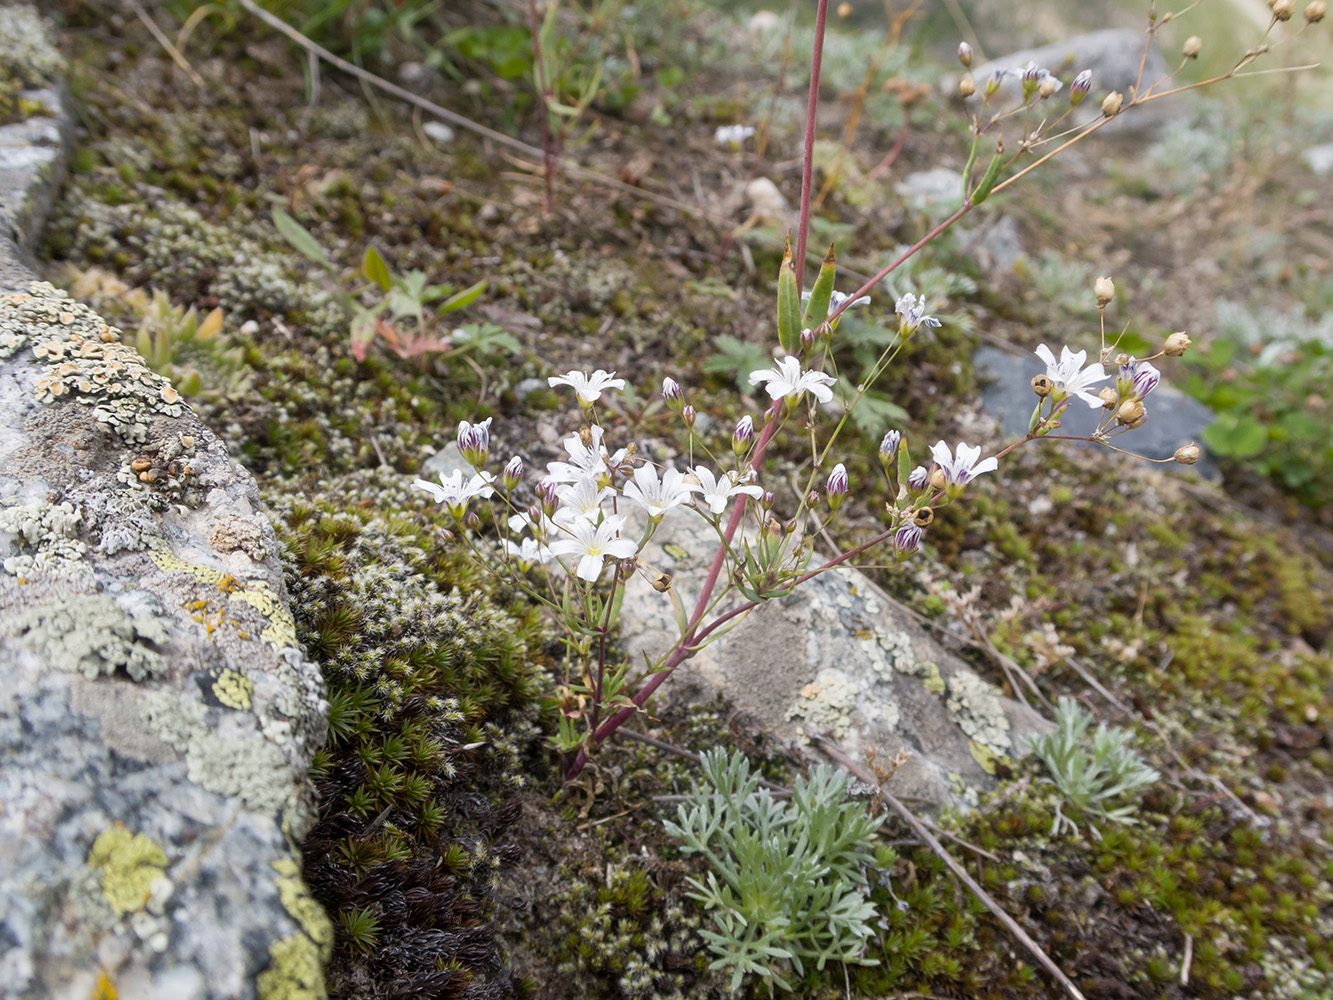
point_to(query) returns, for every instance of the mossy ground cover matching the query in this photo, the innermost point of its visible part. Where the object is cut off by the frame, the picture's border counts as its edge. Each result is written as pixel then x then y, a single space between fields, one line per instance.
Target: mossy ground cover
pixel 448 855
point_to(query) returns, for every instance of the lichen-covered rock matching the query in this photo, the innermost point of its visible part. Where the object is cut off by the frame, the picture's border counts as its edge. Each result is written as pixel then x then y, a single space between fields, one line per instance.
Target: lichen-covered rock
pixel 157 716
pixel 836 657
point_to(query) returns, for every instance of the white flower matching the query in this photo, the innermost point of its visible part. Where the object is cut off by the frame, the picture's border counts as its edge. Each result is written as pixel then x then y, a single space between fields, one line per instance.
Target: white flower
pixel 585 460
pixel 960 471
pixel 733 134
pixel 454 493
pixel 530 552
pixel 787 381
pixel 582 500
pixel 658 497
pixel 1069 377
pixel 592 543
pixel 589 387
pixel 912 314
pixel 716 492
pixel 542 529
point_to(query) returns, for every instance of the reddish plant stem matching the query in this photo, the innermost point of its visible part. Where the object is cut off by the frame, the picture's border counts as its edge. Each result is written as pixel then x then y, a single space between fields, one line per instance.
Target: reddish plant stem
pixel 807 166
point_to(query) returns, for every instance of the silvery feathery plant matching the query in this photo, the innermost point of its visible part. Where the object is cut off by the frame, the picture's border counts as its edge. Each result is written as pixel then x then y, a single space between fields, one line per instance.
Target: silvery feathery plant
pixel 786 884
pixel 568 542
pixel 1092 773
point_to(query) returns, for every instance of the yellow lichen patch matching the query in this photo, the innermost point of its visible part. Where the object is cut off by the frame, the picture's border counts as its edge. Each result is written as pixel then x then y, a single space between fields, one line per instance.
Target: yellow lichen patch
pixel 984 756
pixel 934 680
pixel 294 971
pixel 234 690
pixel 130 863
pixel 281 632
pixel 105 989
pixel 303 907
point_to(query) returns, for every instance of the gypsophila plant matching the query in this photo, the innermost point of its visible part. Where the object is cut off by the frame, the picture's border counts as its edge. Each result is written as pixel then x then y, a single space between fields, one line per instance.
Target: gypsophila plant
pixel 568 539
pixel 786 884
pixel 1092 773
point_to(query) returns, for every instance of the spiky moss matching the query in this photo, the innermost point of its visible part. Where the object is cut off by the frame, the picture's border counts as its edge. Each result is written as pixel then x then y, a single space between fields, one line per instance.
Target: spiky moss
pixel 431 719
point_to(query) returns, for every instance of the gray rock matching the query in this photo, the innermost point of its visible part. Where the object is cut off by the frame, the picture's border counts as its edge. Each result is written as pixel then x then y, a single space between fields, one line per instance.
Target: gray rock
pixel 836 655
pixel 999 246
pixel 1113 56
pixel 1320 159
pixel 445 462
pixel 157 716
pixel 928 189
pixel 1174 419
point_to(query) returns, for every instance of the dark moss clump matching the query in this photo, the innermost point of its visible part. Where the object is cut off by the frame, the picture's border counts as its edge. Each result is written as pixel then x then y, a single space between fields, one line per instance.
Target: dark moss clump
pixel 430 721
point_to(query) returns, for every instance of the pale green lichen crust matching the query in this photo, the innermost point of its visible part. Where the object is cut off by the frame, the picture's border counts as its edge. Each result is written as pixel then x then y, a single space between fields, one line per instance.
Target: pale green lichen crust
pixel 131 864
pixel 94 636
pixel 281 631
pixel 975 705
pixel 45 537
pixel 82 357
pixel 27 53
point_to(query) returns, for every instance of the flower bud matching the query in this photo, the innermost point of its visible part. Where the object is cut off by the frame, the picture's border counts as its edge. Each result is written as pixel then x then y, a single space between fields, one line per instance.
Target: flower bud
pixel 1187 454
pixel 1041 385
pixel 767 499
pixel 844 10
pixel 906 540
pixel 837 486
pixel 888 448
pixel 671 392
pixel 474 442
pixel 1048 86
pixel 1104 289
pixel 546 496
pixel 1145 380
pixel 937 478
pixel 812 499
pixel 1176 344
pixel 996 80
pixel 743 436
pixel 513 474
pixel 922 517
pixel 446 535
pixel 1080 87
pixel 1315 11
pixel 1109 397
pixel 918 479
pixel 1112 104
pixel 1031 79
pixel 1191 48
pixel 807 338
pixel 966 87
pixel 1283 9
pixel 471 519
pixel 965 54
pixel 1131 412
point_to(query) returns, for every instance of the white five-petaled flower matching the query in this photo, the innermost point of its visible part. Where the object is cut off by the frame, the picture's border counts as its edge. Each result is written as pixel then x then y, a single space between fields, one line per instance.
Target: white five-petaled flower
pixel 453 493
pixel 592 543
pixel 836 299
pixel 581 500
pixel 589 387
pixel 714 492
pixel 912 314
pixel 961 469
pixel 658 497
pixel 733 134
pixel 787 381
pixel 527 553
pixel 1069 377
pixel 585 460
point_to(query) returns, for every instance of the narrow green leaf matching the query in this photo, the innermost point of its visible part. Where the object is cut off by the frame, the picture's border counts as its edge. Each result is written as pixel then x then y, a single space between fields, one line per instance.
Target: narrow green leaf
pixel 374 268
pixel 463 299
pixel 904 461
pixel 816 309
pixel 990 178
pixel 299 237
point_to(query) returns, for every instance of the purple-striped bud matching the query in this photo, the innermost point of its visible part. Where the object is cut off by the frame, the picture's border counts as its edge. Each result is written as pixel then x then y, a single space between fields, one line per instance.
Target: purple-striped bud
pixel 1080 87
pixel 687 414
pixel 743 436
pixel 512 475
pixel 812 499
pixel 965 54
pixel 906 541
pixel 546 496
pixel 836 486
pixel 918 479
pixel 671 392
pixel 807 338
pixel 1032 74
pixel 888 448
pixel 474 442
pixel 471 520
pixel 767 499
pixel 996 80
pixel 1145 380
